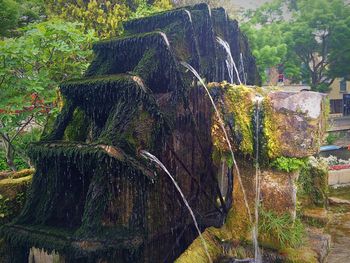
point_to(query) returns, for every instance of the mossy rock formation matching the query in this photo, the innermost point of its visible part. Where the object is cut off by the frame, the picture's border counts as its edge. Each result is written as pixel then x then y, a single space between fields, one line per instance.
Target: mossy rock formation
pixel 93 197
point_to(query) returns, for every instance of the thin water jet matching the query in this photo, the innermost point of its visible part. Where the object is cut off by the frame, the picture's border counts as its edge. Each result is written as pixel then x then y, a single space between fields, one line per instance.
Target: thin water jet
pixel 230 63
pixel 242 68
pixel 165 38
pixel 189 15
pixel 151 157
pixel 255 232
pixel 195 73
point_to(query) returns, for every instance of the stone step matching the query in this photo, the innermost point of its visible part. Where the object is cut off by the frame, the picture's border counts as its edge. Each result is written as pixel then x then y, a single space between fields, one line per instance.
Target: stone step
pixel 338 201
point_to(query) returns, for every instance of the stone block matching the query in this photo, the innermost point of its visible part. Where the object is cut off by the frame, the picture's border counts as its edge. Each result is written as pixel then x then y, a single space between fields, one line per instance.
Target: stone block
pixel 300 119
pixel 278 191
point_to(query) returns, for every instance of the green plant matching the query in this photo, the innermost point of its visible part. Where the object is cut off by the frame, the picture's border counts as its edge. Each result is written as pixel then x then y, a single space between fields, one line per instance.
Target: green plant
pixel 282 230
pixel 331 138
pixel 33 65
pixel 3 164
pixel 309 45
pixel 313 182
pixel 4 207
pixel 288 164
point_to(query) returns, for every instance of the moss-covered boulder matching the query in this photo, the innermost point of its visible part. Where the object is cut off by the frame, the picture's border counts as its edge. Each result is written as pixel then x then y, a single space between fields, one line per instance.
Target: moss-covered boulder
pixel 93 196
pixel 13 191
pixel 300 121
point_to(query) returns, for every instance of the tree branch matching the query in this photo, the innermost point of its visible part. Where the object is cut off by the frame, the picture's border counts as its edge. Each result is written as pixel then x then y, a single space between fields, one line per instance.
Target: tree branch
pixel 22 128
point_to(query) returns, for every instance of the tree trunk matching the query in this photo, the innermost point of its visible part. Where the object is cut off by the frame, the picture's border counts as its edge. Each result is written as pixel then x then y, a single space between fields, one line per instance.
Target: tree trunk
pixel 9 152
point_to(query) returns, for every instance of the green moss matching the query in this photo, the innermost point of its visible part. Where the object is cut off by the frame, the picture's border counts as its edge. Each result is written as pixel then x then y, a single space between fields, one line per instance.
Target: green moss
pixel 149 66
pixel 54 130
pixel 313 183
pixel 271 132
pixel 12 196
pixel 196 252
pixel 77 129
pixel 301 255
pixel 240 104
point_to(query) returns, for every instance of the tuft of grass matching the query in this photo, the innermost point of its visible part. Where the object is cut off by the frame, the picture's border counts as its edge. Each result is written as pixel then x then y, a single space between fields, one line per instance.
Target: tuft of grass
pixel 281 230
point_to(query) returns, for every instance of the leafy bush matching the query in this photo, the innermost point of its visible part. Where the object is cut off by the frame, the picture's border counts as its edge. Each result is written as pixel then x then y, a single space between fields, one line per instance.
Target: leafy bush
pixel 282 230
pixel 287 164
pixel 3 164
pixel 18 161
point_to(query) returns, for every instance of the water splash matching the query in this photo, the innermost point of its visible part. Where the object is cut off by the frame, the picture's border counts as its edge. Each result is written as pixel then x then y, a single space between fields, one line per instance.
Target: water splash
pixel 230 63
pixel 257 254
pixel 189 67
pixel 151 157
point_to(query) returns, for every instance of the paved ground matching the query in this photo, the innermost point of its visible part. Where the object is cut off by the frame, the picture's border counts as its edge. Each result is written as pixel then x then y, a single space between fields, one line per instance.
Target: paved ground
pixel 339 226
pixel 339 123
pixel 340 232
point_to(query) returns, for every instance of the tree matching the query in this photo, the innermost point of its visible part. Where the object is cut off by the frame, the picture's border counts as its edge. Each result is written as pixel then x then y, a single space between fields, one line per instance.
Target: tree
pixel 31 68
pixel 269 46
pixel 9 15
pixel 105 17
pixel 308 37
pixel 18 13
pixel 320 33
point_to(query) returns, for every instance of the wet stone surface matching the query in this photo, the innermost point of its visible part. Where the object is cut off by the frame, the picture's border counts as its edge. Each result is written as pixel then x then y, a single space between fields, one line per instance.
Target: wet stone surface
pixel 339 229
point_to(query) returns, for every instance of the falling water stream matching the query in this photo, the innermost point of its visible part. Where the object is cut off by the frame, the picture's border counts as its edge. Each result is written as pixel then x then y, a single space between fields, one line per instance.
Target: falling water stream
pixel 189 67
pixel 257 254
pixel 230 63
pixel 242 68
pixel 151 157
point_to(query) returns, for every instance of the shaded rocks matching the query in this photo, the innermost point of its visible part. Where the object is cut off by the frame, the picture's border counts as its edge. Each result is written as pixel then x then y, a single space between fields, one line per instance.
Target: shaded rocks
pixel 319 242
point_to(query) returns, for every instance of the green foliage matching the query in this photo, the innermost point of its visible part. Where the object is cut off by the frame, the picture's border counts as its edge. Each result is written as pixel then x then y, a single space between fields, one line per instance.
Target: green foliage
pixel 265 30
pixel 104 17
pixel 318 33
pixel 288 164
pixel 32 65
pixel 145 9
pixel 269 46
pixel 18 13
pixel 282 230
pixel 309 43
pixel 3 164
pixel 331 138
pixel 36 62
pixel 9 15
pixel 18 162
